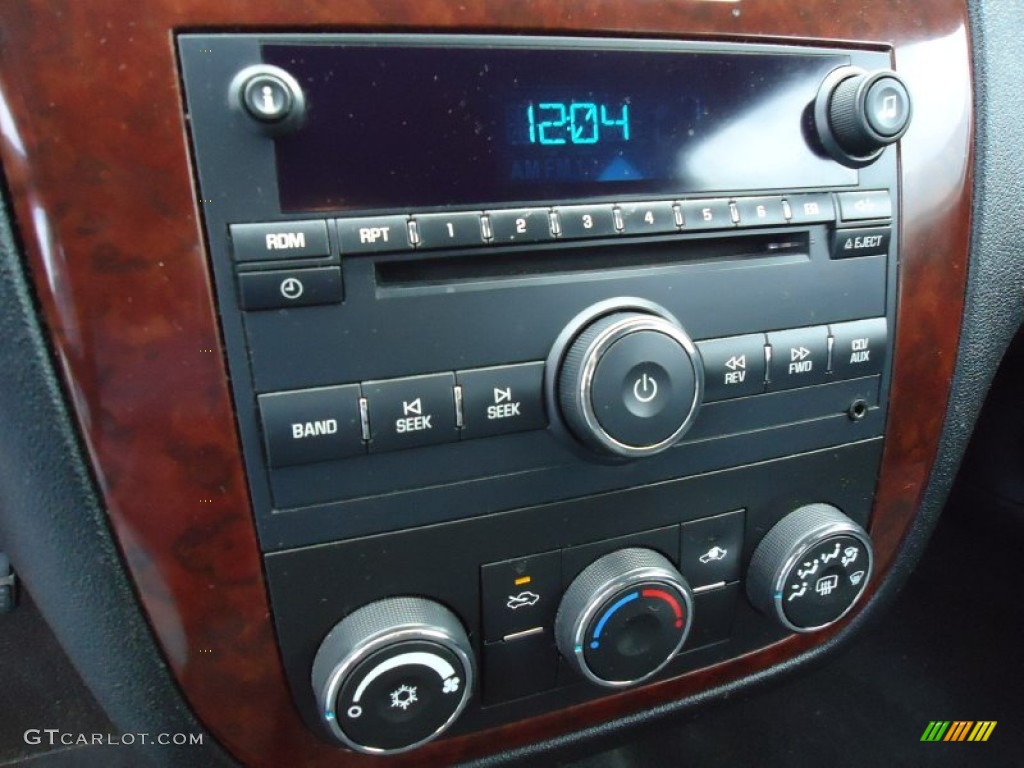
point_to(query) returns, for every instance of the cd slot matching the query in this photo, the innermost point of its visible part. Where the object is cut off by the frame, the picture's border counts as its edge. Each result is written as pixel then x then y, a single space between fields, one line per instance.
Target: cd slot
pixel 524 263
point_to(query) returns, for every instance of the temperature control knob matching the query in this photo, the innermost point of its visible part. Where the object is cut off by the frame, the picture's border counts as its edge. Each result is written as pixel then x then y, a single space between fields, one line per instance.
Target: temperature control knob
pixel 810 568
pixel 393 675
pixel 859 113
pixel 624 617
pixel 630 384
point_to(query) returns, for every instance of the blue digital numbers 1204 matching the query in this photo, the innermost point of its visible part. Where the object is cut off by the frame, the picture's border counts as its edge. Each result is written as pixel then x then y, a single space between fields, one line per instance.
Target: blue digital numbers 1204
pixel 553 123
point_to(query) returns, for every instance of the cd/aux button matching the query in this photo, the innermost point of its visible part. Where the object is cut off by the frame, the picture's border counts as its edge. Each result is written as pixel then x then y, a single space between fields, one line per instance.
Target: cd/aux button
pixel 859 348
pixel 405 413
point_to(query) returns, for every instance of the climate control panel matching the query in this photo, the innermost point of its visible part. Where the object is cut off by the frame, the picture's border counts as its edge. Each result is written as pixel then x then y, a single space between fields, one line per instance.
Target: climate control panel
pixel 395 639
pixel 399 671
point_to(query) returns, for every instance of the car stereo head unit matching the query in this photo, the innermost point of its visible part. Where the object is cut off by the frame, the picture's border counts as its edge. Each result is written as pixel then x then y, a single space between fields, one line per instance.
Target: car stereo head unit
pixel 532 337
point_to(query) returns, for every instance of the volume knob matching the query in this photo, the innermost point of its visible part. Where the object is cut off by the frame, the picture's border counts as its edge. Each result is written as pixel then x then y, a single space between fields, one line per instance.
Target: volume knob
pixel 630 384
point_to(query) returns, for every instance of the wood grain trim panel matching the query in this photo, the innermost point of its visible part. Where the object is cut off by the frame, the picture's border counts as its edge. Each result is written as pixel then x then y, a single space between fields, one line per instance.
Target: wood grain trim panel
pixel 96 156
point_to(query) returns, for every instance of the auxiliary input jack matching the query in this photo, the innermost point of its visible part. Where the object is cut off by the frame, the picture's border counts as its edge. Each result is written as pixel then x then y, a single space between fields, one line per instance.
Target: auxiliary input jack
pixel 858 409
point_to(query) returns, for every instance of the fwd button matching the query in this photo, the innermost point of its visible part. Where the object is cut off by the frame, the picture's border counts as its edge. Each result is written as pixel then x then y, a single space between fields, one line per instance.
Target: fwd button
pixel 799 358
pixel 405 413
pixel 504 399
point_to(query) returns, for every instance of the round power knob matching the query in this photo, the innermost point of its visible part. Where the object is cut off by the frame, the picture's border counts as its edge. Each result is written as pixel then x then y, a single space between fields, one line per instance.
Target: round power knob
pixel 811 568
pixel 393 675
pixel 859 113
pixel 624 617
pixel 630 384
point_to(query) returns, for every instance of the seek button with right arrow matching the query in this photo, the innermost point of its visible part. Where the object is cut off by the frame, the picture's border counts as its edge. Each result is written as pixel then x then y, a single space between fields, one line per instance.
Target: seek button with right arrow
pixel 503 399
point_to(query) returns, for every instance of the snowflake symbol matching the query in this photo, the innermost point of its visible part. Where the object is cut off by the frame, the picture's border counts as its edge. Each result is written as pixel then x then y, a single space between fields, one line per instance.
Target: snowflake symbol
pixel 451 685
pixel 404 696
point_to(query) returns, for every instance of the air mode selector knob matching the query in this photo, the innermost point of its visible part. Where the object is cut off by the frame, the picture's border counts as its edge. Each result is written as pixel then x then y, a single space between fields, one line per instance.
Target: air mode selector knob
pixel 393 675
pixel 624 617
pixel 630 384
pixel 859 113
pixel 810 569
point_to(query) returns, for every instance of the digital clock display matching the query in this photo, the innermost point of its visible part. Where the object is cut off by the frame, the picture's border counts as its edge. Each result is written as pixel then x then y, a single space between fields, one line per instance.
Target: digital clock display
pixel 400 126
pixel 578 122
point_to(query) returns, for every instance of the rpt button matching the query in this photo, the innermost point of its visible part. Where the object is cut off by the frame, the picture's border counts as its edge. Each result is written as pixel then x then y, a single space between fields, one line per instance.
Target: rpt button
pixel 405 413
pixel 380 234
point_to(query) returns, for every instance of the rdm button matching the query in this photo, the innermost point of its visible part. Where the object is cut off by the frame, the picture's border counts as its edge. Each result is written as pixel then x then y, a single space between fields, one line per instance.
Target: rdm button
pixel 500 400
pixel 405 413
pixel 279 240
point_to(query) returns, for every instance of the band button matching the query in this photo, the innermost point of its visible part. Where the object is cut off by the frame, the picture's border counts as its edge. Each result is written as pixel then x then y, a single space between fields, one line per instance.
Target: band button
pixel 311 425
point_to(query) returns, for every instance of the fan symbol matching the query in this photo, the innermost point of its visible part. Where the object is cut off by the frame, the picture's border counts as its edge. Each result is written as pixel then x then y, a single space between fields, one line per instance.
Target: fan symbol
pixel 451 685
pixel 403 697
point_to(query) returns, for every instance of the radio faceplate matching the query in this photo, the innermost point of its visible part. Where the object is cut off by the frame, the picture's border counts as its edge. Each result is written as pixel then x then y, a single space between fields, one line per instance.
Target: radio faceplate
pixel 397 349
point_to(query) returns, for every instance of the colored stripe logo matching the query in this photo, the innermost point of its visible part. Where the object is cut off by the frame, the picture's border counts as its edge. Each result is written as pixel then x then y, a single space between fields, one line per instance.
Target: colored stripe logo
pixel 958 730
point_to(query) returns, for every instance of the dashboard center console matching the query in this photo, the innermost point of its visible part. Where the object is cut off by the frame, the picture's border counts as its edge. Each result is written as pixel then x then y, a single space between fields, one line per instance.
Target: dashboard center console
pixel 560 365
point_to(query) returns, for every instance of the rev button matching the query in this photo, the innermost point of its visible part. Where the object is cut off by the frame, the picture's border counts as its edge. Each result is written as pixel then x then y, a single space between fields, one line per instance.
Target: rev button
pixel 504 399
pixel 405 413
pixel 311 425
pixel 733 367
